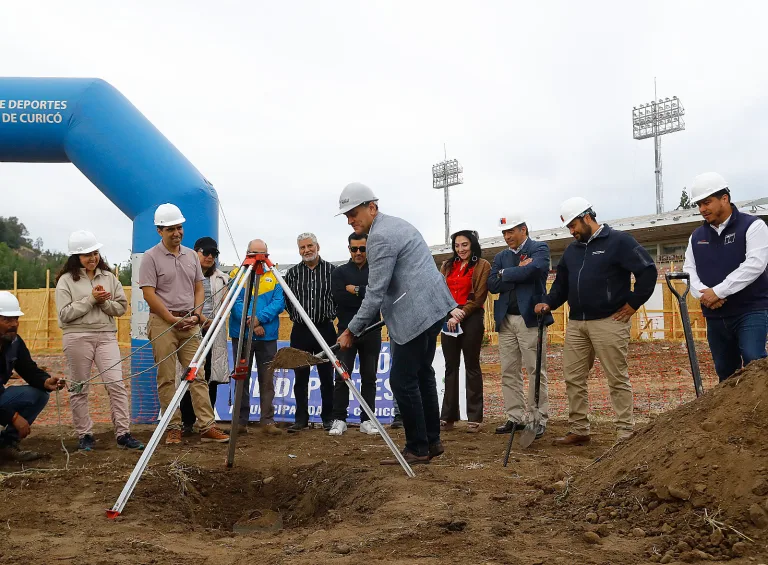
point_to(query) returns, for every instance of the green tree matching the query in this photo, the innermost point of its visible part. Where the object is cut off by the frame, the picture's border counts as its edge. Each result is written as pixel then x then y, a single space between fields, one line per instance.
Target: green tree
pixel 125 273
pixel 13 233
pixel 685 201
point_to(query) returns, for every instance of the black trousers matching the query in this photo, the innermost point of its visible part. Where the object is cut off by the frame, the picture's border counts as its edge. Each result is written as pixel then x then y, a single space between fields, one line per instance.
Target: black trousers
pixel 413 383
pixel 302 338
pixel 188 417
pixel 368 348
pixel 469 343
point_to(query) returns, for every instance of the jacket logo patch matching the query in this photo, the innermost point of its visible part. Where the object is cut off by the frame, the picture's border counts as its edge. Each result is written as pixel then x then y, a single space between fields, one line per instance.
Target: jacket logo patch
pixel 598 252
pixel 730 238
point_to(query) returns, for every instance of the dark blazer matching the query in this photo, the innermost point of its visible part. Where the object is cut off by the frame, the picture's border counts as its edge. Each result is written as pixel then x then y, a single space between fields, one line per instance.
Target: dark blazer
pixel 529 282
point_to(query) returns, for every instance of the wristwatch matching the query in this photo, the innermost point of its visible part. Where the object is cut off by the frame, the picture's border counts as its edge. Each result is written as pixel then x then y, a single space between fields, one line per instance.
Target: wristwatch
pixel 357 291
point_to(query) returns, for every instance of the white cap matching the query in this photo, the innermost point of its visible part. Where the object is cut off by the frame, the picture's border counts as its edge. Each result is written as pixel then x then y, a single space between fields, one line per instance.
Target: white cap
pixel 706 184
pixel 573 208
pixel 168 215
pixel 82 241
pixel 9 306
pixel 511 221
pixel 353 195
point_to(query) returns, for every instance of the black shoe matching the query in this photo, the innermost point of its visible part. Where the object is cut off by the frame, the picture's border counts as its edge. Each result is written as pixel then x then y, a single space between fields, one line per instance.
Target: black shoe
pixel 12 452
pixel 509 426
pixel 436 449
pixel 397 422
pixel 541 431
pixel 296 428
pixel 327 425
pixel 127 441
pixel 187 431
pixel 87 443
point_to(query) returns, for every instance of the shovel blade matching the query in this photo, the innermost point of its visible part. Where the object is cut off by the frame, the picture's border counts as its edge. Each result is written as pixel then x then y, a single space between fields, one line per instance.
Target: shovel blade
pixel 528 435
pixel 290 358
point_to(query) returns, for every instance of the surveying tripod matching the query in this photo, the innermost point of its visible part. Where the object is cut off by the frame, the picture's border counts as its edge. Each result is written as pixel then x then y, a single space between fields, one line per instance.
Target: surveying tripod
pixel 248 277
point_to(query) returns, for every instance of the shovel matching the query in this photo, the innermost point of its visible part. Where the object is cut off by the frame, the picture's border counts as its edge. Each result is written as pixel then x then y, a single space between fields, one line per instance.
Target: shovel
pixel 290 358
pixel 687 326
pixel 529 432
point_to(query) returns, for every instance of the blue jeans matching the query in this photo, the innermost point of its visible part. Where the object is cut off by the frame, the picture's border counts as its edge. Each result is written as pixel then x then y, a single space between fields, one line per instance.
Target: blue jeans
pixel 27 401
pixel 736 341
pixel 413 384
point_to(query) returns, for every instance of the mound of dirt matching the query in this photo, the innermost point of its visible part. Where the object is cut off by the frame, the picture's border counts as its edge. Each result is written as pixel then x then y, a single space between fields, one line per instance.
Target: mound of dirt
pixel 695 481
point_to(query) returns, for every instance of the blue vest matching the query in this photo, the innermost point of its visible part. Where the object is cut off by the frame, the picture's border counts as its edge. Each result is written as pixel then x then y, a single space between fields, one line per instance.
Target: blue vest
pixel 717 256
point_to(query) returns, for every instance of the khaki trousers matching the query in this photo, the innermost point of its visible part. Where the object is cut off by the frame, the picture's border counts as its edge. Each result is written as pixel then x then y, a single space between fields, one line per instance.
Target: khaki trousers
pixel 165 346
pixel 609 341
pixel 83 350
pixel 517 349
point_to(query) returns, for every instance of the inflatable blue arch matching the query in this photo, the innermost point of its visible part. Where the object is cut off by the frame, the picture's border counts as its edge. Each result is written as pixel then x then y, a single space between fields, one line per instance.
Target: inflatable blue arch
pixel 88 123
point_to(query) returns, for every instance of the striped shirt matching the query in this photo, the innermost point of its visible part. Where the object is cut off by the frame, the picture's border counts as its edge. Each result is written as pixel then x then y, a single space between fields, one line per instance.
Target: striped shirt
pixel 312 288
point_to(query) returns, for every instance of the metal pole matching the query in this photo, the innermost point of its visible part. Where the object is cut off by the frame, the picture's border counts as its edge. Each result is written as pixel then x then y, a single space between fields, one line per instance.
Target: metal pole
pixel 243 355
pixel 337 365
pixel 154 441
pixel 659 185
pixel 447 214
pixel 657 152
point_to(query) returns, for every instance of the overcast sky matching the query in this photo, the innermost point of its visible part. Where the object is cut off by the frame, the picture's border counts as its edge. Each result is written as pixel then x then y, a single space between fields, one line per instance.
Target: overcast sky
pixel 281 104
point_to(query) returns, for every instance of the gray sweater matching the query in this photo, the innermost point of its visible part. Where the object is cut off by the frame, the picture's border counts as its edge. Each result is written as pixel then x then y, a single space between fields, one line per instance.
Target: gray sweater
pixel 78 310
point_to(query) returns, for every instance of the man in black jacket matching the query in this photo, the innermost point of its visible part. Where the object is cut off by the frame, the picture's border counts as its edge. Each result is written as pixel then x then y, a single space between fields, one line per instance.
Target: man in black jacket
pixel 19 405
pixel 348 283
pixel 594 276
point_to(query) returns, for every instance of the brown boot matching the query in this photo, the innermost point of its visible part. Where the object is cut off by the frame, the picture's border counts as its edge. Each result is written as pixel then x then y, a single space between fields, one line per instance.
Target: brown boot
pixel 214 434
pixel 410 458
pixel 571 439
pixel 173 437
pixel 271 429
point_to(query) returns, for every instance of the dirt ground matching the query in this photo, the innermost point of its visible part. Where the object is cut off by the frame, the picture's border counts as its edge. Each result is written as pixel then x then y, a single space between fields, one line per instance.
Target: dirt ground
pixel 690 486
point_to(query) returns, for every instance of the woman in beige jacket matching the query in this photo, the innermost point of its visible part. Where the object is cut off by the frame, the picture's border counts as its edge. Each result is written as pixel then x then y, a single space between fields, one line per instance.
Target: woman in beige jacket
pixel 88 299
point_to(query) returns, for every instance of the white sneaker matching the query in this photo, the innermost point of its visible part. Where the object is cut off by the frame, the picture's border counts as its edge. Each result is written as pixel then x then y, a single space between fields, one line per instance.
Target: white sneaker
pixel 337 428
pixel 369 428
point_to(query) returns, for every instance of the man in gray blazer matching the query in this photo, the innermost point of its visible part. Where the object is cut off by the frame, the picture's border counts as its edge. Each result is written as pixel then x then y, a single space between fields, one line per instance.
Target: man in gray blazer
pixel 405 285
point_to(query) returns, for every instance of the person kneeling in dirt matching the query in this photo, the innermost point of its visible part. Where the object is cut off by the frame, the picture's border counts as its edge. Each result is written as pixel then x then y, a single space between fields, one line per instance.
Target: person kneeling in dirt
pixel 19 405
pixel 594 276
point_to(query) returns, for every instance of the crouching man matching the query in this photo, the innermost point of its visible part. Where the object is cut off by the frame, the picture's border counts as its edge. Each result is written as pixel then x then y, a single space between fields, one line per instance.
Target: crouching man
pixel 19 405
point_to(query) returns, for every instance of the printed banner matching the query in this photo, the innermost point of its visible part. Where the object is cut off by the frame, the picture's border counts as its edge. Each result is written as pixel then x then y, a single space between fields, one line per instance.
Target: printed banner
pixel 285 401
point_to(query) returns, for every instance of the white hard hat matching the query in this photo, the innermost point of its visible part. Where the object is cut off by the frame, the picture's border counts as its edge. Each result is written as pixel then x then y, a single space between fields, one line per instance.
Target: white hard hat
pixel 9 306
pixel 353 195
pixel 573 208
pixel 168 215
pixel 706 184
pixel 82 241
pixel 511 221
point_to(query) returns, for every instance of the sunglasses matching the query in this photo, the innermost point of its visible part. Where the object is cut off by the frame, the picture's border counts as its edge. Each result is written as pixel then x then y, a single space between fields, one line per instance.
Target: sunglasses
pixel 209 252
pixel 355 249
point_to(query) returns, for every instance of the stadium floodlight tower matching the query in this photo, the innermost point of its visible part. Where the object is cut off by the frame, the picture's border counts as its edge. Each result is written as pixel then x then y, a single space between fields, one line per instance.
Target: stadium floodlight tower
pixel 446 174
pixel 655 119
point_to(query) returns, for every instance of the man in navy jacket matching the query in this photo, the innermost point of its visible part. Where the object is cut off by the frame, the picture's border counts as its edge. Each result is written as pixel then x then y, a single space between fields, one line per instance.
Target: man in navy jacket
pixel 726 260
pixel 594 276
pixel 519 276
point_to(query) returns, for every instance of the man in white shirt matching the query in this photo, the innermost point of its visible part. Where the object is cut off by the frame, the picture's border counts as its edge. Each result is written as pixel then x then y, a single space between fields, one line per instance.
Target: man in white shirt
pixel 726 260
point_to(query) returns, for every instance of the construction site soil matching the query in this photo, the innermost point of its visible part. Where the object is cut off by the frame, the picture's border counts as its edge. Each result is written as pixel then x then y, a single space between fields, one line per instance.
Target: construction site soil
pixel 691 485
